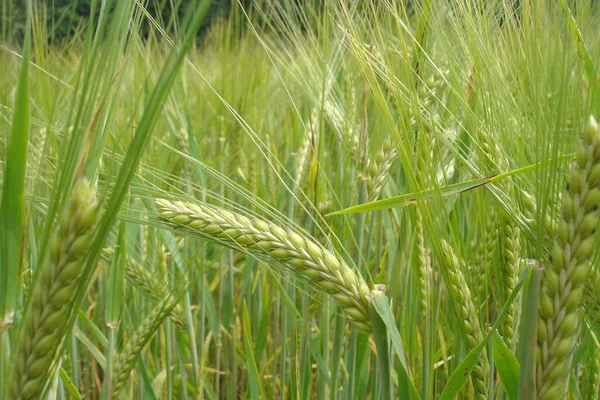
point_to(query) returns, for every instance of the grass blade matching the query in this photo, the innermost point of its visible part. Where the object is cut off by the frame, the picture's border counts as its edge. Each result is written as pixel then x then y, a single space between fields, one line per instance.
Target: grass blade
pixel 507 365
pixel 12 222
pixel 405 385
pixel 13 191
pixel 445 191
pixel 528 335
pixel 71 389
pixel 256 389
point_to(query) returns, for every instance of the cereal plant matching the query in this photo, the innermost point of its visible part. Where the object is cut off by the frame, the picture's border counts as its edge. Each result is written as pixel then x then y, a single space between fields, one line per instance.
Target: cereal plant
pixel 300 200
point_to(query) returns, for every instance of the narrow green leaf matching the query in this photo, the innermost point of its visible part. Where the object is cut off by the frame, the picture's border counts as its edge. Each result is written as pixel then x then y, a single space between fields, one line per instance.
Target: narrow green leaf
pixel 71 389
pixel 94 351
pixel 445 191
pixel 507 365
pixel 528 335
pixel 380 337
pixel 12 224
pixel 256 389
pixel 461 374
pixel 13 190
pixel 94 330
pixel 405 384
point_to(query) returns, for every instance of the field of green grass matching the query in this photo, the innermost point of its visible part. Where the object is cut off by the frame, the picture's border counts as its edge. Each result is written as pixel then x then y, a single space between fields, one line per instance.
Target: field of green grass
pixel 317 200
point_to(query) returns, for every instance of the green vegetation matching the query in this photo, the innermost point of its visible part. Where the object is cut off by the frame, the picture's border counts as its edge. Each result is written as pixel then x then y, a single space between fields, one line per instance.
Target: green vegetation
pixel 178 213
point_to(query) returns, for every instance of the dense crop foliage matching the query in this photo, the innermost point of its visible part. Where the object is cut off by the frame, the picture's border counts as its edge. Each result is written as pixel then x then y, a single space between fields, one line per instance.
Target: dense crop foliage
pixel 318 199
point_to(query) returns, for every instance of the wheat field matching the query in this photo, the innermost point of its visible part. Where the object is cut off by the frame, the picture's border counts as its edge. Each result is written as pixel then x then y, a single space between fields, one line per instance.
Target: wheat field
pixel 323 199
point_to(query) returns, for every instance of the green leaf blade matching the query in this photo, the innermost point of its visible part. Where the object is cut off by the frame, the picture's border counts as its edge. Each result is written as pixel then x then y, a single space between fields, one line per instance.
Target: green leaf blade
pixel 507 365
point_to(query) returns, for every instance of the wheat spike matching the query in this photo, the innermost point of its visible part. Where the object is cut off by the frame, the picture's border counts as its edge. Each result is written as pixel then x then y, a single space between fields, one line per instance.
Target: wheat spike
pixel 325 270
pixel 568 269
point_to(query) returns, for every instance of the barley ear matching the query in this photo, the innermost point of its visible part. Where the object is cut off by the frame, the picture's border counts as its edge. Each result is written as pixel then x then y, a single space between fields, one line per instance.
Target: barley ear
pixel 568 269
pixel 134 346
pixel 42 327
pixel 324 270
pixel 378 169
pixel 510 268
pixel 422 266
pixel 467 317
pixel 149 285
pixel 485 257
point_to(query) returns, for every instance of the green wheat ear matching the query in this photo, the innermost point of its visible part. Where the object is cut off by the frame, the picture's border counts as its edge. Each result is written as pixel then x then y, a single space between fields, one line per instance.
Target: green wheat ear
pixel 132 348
pixel 568 270
pixel 467 316
pixel 42 327
pixel 308 259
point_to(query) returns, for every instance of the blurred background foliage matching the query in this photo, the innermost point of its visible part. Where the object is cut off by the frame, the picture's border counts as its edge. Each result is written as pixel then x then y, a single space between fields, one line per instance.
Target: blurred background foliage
pixel 65 19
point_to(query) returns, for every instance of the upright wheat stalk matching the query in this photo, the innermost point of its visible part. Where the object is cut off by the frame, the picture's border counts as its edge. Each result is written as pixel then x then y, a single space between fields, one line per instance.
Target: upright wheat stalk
pixel 566 273
pixel 325 270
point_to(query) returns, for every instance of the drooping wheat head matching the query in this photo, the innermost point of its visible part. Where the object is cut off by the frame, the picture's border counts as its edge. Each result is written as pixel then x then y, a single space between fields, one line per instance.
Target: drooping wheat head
pixel 299 254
